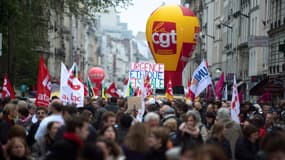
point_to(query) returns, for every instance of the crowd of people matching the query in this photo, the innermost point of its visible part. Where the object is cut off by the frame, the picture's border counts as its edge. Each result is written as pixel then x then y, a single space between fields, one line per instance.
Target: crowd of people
pixel 107 130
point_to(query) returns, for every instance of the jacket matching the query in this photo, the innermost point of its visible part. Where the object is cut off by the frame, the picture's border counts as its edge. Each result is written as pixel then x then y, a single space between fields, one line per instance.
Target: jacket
pixel 245 150
pixel 224 145
pixel 66 149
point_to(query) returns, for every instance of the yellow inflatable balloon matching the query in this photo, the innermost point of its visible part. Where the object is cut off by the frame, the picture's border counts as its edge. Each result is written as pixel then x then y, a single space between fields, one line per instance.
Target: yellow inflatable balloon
pixel 171 33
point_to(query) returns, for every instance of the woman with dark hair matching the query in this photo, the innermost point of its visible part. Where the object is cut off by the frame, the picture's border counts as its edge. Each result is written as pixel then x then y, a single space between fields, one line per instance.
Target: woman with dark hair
pixel 209 152
pixel 157 141
pixel 135 145
pixel 18 149
pixel 44 144
pixel 247 146
pixel 110 149
pixel 218 138
pixel 91 151
pixel 109 132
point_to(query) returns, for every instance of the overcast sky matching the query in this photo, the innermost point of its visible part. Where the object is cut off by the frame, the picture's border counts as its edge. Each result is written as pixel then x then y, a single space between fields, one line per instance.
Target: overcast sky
pixel 136 15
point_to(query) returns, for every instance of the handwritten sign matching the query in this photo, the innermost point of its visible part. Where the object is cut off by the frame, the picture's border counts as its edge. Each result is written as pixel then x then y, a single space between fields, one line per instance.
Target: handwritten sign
pixel 139 71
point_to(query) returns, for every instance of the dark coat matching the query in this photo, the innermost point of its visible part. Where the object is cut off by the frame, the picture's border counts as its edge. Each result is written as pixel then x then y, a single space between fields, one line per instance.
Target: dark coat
pixel 245 150
pixel 122 132
pixel 91 137
pixel 31 136
pixel 131 155
pixel 66 149
pixel 112 107
pixel 157 154
pixel 224 144
pixel 187 139
pixel 5 125
pixel 41 148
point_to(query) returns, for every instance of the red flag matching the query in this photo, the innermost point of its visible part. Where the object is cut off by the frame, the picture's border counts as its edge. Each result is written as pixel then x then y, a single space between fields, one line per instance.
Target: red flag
pixel 190 95
pixel 126 81
pixel 147 86
pixel 7 90
pixel 219 87
pixel 44 85
pixel 112 90
pixel 208 93
pixel 264 98
pixel 240 96
pixel 85 89
pixel 169 91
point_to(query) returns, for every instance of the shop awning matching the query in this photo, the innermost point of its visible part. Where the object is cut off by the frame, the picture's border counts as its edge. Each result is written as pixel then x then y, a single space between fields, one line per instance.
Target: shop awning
pixel 273 85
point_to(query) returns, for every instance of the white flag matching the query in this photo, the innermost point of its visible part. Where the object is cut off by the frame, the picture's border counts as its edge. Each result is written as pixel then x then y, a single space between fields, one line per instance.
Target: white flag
pixel 225 93
pixel 235 106
pixel 201 79
pixel 71 89
pixel 64 89
pixel 141 110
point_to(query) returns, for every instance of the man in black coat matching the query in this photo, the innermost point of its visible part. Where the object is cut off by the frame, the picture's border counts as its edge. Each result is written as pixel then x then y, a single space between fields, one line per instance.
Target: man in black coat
pixel 69 147
pixel 112 105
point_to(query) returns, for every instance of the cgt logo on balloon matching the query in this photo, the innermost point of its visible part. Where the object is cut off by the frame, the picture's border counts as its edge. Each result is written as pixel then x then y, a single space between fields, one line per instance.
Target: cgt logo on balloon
pixel 164 37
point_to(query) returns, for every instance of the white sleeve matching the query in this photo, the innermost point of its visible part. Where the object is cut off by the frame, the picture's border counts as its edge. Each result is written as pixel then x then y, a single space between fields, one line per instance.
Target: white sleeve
pixel 41 130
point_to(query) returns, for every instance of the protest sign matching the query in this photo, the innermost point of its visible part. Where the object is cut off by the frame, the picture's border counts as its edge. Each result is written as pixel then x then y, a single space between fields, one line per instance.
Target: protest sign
pixel 139 71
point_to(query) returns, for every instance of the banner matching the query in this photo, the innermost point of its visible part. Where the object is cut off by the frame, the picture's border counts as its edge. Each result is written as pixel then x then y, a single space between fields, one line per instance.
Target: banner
pixel 71 89
pixel 44 85
pixel 7 90
pixel 155 72
pixel 200 79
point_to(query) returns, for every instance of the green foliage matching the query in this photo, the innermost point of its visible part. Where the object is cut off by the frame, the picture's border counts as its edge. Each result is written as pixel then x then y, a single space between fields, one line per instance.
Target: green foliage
pixel 24 25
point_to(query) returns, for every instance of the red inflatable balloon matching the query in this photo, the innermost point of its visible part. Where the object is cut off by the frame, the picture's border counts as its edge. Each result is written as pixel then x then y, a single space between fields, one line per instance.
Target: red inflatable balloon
pixel 96 74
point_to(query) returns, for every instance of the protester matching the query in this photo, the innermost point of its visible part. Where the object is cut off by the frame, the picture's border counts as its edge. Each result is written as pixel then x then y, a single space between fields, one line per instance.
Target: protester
pixel 152 119
pixel 69 147
pixel 233 130
pixel 41 113
pixel 135 145
pixel 112 105
pixel 171 125
pixel 108 119
pixel 247 146
pixel 17 149
pixel 110 149
pixel 218 138
pixel 209 152
pixel 273 146
pixel 56 110
pixel 108 132
pixel 44 144
pixel 157 142
pixel 191 131
pixel 125 123
pixel 91 152
pixel 8 121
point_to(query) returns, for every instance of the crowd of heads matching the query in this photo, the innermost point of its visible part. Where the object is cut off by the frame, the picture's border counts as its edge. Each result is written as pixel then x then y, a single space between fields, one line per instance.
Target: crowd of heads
pixel 107 130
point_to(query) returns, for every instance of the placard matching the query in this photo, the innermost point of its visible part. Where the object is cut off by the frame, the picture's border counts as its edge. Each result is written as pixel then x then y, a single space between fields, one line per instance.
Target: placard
pixel 134 103
pixel 139 71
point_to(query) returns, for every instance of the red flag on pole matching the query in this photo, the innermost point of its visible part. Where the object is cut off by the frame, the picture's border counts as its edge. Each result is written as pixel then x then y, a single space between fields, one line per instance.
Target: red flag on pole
pixel 169 91
pixel 7 90
pixel 264 98
pixel 208 93
pixel 219 87
pixel 240 96
pixel 44 85
pixel 190 95
pixel 147 86
pixel 112 90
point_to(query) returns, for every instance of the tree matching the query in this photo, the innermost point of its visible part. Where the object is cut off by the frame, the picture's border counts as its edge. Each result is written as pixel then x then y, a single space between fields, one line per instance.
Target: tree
pixel 24 25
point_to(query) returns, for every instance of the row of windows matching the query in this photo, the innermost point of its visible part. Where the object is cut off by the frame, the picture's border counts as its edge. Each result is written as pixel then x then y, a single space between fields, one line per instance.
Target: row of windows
pixel 277 69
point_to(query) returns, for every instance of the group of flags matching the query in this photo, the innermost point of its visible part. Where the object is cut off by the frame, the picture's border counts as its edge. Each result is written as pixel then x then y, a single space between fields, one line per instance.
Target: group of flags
pixel 73 90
